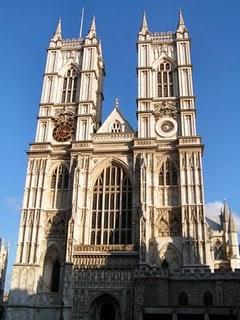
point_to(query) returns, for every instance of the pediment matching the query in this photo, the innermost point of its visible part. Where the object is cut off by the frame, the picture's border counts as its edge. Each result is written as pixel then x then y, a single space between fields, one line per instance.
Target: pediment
pixel 115 123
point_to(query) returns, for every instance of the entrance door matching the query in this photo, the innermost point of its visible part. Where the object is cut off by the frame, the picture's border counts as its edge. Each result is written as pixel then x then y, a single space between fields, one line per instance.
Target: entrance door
pixel 107 312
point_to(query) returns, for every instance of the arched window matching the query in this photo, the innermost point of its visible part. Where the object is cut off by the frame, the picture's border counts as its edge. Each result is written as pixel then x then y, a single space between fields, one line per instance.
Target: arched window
pixel 116 126
pixel 168 174
pixel 69 86
pixel 112 207
pixel 165 80
pixel 183 299
pixel 208 298
pixel 218 250
pixel 59 187
pixel 60 178
pixel 55 279
pixel 168 184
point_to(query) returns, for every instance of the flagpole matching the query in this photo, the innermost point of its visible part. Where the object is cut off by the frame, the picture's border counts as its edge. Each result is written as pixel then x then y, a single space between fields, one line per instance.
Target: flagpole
pixel 81 25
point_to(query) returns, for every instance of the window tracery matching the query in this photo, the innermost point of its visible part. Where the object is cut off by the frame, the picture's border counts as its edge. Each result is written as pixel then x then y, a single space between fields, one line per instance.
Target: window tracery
pixel 69 86
pixel 59 186
pixel 111 207
pixel 165 80
pixel 168 184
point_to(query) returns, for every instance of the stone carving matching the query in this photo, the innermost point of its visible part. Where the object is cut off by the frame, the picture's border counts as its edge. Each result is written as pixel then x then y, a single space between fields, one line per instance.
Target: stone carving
pixel 55 225
pixel 101 277
pixel 165 109
pixel 168 222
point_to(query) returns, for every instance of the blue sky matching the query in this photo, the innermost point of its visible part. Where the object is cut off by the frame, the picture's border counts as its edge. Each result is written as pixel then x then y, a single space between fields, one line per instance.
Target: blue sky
pixel 25 29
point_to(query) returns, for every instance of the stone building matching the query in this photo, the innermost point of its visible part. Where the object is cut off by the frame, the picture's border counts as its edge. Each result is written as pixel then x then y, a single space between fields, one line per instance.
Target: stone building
pixel 3 270
pixel 113 220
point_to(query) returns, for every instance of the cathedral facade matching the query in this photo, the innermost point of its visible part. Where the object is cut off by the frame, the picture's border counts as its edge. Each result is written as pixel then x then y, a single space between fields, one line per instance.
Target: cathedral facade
pixel 113 220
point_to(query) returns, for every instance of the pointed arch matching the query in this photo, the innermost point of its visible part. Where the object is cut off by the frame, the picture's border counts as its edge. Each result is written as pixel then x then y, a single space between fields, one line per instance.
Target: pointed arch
pixel 111 221
pixel 171 255
pixel 51 276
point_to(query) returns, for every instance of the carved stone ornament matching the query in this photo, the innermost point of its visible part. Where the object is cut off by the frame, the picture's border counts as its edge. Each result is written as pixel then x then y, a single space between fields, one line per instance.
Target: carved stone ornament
pixel 168 222
pixel 64 127
pixel 166 127
pixel 165 109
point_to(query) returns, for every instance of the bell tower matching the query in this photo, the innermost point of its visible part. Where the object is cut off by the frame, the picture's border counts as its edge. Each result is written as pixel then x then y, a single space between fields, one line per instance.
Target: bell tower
pixel 69 112
pixel 173 201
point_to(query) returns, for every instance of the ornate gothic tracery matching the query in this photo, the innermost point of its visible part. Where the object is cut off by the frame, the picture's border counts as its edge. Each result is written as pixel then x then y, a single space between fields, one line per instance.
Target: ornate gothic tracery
pixel 168 183
pixel 165 80
pixel 69 86
pixel 111 207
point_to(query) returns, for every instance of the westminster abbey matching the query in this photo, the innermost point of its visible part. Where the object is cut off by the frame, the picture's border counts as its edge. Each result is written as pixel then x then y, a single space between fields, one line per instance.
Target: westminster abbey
pixel 113 223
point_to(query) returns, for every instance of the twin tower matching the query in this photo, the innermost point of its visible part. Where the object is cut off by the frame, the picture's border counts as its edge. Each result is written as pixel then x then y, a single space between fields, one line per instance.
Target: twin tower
pixel 106 206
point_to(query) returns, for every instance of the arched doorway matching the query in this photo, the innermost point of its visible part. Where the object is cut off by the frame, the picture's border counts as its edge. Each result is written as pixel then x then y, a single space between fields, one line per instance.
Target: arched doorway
pixel 105 307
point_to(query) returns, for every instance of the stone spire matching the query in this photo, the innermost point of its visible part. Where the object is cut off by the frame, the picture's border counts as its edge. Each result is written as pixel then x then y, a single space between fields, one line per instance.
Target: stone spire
pixel 181 24
pixel 232 227
pixel 58 33
pixel 92 31
pixel 144 26
pixel 225 211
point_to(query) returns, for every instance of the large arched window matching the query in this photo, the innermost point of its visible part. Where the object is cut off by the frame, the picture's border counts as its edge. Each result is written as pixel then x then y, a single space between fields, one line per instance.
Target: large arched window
pixel 168 184
pixel 112 207
pixel 59 187
pixel 69 86
pixel 165 80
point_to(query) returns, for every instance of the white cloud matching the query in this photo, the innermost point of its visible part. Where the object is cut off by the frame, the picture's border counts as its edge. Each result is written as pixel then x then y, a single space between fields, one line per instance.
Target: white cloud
pixel 14 204
pixel 213 210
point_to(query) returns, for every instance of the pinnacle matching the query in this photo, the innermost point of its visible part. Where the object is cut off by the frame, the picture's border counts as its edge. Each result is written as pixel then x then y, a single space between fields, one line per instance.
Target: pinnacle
pixel 58 32
pixel 181 23
pixel 144 26
pixel 92 31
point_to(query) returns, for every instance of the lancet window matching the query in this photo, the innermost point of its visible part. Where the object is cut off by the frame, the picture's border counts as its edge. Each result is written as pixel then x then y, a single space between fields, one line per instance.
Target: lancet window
pixel 165 80
pixel 112 207
pixel 59 186
pixel 69 86
pixel 168 184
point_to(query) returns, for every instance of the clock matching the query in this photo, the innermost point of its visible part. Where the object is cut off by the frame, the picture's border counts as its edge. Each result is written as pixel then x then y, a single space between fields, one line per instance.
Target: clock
pixel 166 127
pixel 62 132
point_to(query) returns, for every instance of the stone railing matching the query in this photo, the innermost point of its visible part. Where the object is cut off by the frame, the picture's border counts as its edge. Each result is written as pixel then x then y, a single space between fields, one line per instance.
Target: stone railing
pixel 189 141
pixel 40 147
pixel 113 136
pixel 144 143
pixel 104 248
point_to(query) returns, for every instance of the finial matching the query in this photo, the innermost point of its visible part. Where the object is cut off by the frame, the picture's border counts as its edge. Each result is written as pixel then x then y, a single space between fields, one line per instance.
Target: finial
pixel 116 103
pixel 92 31
pixel 144 26
pixel 58 32
pixel 181 23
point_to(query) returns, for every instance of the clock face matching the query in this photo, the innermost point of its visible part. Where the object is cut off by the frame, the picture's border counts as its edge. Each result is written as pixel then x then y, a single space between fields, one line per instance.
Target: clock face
pixel 62 132
pixel 166 127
